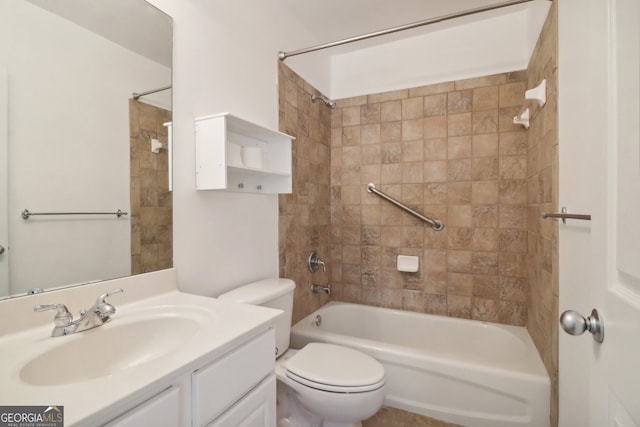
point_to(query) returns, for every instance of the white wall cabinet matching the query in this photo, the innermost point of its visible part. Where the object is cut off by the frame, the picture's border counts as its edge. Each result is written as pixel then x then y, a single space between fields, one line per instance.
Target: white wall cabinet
pixel 236 389
pixel 236 155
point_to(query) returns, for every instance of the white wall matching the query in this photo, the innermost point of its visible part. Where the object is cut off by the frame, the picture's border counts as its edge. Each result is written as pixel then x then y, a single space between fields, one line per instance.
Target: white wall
pixel 68 146
pixel 481 44
pixel 225 59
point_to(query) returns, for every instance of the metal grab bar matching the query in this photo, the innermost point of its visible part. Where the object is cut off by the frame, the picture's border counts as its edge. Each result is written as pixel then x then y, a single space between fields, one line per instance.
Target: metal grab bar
pixel 26 214
pixel 435 224
pixel 564 216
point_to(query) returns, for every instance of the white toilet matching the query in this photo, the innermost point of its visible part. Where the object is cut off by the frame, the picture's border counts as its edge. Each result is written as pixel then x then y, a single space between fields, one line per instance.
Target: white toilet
pixel 321 385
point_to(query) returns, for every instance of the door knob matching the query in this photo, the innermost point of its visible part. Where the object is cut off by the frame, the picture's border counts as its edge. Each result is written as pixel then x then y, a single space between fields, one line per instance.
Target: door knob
pixel 1 249
pixel 574 323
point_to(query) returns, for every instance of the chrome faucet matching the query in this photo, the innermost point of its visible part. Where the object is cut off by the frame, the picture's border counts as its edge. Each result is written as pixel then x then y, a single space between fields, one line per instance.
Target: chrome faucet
pixel 314 261
pixel 97 315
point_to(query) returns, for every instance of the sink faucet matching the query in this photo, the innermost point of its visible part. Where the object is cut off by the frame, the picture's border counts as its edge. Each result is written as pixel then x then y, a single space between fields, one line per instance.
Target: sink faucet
pixel 97 315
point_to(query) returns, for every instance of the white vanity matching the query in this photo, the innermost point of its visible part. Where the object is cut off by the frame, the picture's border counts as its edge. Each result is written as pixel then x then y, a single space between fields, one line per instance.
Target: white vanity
pixel 166 358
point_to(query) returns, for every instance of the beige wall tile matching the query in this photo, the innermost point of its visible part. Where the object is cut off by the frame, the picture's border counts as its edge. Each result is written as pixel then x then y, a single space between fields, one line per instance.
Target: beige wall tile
pixel 412 129
pixel 459 124
pixel 459 101
pixel 459 147
pixel 435 127
pixel 388 96
pixel 432 89
pixel 485 145
pixel 435 105
pixel 435 149
pixel 491 80
pixel 412 108
pixel 485 98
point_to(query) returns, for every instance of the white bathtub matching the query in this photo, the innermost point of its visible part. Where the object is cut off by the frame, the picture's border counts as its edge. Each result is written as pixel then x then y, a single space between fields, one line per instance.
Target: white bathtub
pixel 467 372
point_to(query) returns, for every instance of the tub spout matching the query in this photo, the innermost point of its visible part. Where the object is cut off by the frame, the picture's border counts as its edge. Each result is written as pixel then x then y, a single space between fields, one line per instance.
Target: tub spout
pixel 319 289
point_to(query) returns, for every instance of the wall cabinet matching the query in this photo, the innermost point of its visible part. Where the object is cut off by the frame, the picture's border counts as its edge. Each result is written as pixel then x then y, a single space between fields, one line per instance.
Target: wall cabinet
pixel 236 155
pixel 236 389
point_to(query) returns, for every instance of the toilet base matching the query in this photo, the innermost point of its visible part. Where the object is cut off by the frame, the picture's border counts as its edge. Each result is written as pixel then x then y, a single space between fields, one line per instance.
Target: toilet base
pixel 290 413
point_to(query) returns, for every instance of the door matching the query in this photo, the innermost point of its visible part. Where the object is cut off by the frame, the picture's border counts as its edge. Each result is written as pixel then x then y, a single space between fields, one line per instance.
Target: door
pixel 599 157
pixel 4 195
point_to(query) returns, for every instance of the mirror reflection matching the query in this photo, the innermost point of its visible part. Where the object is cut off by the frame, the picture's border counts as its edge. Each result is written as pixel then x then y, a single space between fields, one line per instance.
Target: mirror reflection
pixel 72 140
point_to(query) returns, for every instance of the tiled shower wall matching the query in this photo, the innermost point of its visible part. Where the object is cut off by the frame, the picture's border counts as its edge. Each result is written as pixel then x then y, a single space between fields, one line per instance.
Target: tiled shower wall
pixel 304 220
pixel 451 152
pixel 151 201
pixel 542 183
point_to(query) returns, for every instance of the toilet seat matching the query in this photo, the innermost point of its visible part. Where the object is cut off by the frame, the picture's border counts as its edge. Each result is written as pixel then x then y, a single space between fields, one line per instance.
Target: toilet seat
pixel 334 368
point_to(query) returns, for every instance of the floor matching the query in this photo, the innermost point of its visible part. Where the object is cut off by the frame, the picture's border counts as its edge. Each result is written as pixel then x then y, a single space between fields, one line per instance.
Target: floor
pixel 392 417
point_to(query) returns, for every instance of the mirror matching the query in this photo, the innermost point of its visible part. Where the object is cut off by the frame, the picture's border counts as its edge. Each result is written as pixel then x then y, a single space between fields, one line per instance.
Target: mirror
pixel 72 141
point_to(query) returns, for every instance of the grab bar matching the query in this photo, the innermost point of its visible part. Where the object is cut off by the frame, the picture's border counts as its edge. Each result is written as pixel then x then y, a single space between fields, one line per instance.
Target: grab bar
pixel 26 214
pixel 564 216
pixel 435 224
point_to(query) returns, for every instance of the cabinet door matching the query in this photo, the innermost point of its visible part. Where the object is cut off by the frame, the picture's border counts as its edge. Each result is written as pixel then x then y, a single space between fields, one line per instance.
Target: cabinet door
pixel 257 409
pixel 162 410
pixel 219 385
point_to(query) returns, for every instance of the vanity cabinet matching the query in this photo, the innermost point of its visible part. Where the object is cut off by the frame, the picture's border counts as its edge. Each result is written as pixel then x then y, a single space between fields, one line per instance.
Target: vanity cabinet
pixel 162 410
pixel 235 389
pixel 233 154
pixel 223 383
pixel 257 409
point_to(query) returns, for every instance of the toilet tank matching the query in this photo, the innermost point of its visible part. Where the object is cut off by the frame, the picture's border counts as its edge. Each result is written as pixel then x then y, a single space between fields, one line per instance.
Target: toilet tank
pixel 273 293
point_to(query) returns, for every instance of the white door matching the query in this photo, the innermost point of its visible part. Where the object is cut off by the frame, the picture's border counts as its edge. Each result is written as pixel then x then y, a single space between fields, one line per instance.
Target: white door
pixel 599 164
pixel 4 196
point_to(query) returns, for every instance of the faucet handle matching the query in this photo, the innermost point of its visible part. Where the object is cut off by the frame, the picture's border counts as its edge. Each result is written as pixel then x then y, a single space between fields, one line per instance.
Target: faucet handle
pixel 314 261
pixel 102 308
pixel 108 294
pixel 62 317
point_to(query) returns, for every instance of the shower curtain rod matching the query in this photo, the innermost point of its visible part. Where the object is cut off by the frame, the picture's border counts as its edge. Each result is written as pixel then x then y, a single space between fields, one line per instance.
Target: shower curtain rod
pixel 284 55
pixel 136 96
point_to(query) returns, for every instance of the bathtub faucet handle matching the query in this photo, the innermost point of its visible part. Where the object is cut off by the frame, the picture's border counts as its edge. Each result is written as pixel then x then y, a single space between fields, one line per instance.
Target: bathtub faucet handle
pixel 314 261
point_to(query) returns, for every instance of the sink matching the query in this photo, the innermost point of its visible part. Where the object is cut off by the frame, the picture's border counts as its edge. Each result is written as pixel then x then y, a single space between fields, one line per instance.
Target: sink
pixel 109 349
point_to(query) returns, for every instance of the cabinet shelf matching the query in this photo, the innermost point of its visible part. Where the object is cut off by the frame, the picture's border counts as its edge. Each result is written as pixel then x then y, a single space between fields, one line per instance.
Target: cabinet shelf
pixel 222 140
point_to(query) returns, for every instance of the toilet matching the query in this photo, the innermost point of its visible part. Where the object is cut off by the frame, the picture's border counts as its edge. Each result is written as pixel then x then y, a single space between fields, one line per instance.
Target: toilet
pixel 320 385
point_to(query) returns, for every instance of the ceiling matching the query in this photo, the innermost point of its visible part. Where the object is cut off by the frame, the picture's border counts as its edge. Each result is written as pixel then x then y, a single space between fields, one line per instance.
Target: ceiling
pixel 136 25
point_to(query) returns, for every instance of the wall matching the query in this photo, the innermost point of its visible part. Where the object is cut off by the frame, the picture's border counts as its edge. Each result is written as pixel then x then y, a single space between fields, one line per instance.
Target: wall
pixel 542 190
pixel 450 151
pixel 481 44
pixel 304 214
pixel 224 239
pixel 57 159
pixel 151 200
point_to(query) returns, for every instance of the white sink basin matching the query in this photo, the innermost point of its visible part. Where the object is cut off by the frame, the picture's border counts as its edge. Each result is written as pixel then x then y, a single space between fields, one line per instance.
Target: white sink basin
pixel 109 349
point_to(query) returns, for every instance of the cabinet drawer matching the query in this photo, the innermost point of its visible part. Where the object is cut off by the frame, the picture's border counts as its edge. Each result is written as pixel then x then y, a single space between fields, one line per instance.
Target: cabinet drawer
pixel 257 409
pixel 219 385
pixel 162 410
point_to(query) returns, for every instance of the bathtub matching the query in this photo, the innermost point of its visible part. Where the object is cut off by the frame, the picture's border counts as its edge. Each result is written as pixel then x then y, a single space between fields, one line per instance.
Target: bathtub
pixel 472 373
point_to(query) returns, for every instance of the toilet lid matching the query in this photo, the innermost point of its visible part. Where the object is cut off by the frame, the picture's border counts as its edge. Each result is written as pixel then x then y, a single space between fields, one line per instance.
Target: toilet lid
pixel 335 368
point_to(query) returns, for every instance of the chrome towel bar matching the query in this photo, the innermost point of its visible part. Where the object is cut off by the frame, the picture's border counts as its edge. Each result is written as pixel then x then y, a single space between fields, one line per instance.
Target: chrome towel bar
pixel 564 216
pixel 26 214
pixel 435 224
